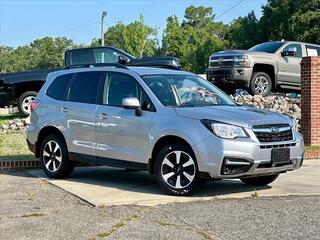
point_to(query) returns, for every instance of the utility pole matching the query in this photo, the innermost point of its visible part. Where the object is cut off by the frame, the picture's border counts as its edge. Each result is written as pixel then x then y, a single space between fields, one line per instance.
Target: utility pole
pixel 103 15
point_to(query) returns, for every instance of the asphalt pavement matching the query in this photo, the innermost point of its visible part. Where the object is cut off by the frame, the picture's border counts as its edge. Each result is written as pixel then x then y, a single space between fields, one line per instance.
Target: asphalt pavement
pixel 32 208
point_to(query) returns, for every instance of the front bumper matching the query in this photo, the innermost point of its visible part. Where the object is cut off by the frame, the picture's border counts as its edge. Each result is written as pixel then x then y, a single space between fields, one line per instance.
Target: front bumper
pixel 235 76
pixel 211 159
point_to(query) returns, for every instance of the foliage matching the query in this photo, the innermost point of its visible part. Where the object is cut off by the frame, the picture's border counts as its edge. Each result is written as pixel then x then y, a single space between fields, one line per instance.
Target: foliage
pixel 244 32
pixel 195 38
pixel 135 38
pixel 40 54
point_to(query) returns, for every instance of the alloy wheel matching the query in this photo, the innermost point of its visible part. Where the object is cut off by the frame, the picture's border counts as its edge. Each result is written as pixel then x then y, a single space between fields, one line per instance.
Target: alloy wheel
pixel 178 169
pixel 261 85
pixel 26 103
pixel 52 156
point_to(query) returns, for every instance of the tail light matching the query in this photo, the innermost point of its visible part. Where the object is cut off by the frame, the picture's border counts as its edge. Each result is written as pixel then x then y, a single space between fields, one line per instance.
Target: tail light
pixel 34 104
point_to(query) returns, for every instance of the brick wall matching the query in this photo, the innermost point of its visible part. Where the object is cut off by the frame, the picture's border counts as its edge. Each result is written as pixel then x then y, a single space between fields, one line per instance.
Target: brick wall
pixel 310 100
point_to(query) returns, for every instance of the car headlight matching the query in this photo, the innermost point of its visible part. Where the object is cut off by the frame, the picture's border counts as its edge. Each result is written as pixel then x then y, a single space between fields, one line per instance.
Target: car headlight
pixel 224 130
pixel 241 60
pixel 295 125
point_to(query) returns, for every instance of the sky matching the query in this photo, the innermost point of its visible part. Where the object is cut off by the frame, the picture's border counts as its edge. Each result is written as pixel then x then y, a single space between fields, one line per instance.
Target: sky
pixel 22 21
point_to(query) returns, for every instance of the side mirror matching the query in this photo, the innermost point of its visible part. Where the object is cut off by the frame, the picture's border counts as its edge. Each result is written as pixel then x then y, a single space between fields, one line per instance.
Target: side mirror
pixel 288 54
pixel 122 59
pixel 132 103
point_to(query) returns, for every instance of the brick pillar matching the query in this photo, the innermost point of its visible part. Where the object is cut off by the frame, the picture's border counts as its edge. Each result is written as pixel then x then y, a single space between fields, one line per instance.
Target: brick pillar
pixel 310 100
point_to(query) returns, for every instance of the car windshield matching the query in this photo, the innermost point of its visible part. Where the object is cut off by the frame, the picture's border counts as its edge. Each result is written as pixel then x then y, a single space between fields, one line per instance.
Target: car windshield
pixel 270 47
pixel 185 91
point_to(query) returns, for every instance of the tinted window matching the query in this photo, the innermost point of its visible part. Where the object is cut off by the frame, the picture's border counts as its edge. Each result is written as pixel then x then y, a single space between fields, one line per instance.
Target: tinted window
pixel 313 51
pixel 119 86
pixel 294 47
pixel 106 55
pixel 82 56
pixel 270 47
pixel 85 87
pixel 58 87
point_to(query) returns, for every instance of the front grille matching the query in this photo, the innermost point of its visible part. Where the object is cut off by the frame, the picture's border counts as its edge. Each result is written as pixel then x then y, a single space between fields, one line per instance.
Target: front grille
pixel 224 61
pixel 273 132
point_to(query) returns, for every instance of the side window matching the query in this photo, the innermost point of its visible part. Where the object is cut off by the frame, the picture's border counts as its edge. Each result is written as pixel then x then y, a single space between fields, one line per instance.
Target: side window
pixel 119 86
pixel 84 87
pixel 295 48
pixel 105 55
pixel 58 87
pixel 313 51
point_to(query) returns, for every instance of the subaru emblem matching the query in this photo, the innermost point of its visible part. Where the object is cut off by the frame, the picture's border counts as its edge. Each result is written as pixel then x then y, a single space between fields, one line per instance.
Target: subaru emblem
pixel 274 130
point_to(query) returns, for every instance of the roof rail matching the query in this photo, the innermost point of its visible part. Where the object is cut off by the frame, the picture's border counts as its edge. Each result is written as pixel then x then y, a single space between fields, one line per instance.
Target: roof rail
pixel 91 65
pixel 167 66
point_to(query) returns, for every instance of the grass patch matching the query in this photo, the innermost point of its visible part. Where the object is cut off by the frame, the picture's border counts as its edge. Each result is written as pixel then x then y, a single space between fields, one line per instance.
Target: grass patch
pixel 7 118
pixel 13 146
pixel 115 227
pixel 33 215
pixel 312 148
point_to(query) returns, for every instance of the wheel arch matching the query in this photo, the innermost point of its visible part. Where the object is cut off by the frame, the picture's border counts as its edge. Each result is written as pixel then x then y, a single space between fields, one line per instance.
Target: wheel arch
pixel 44 133
pixel 163 141
pixel 268 69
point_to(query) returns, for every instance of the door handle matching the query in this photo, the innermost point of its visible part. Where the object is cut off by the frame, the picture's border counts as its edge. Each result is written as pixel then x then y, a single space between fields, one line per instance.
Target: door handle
pixel 102 116
pixel 63 109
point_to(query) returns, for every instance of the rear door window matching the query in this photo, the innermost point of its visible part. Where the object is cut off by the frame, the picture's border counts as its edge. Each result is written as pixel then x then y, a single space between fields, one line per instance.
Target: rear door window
pixel 313 50
pixel 84 87
pixel 58 87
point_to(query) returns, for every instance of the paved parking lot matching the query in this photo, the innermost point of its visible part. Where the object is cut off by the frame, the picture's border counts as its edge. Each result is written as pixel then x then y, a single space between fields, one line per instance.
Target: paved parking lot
pixel 33 209
pixel 103 186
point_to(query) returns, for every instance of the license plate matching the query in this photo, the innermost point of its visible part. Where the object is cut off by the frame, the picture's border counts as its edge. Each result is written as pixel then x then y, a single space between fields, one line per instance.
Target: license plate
pixel 280 155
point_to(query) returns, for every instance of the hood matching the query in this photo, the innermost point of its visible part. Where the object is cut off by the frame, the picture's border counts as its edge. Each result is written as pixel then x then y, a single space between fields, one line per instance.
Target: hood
pixel 239 52
pixel 237 115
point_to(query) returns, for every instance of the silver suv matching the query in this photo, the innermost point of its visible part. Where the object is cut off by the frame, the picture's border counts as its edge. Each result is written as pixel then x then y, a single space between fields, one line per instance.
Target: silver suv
pixel 171 123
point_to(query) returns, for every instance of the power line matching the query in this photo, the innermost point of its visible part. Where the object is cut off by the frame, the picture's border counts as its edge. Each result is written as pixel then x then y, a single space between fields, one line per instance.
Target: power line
pixel 228 10
pixel 52 33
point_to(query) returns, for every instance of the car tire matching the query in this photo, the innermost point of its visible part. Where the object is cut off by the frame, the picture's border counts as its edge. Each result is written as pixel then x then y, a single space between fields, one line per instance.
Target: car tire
pixel 54 157
pixel 260 181
pixel 260 84
pixel 176 170
pixel 25 100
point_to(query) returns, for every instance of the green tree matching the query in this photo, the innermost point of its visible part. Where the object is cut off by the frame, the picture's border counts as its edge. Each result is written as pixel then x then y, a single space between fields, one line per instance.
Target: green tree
pixel 40 54
pixel 291 20
pixel 195 38
pixel 135 38
pixel 244 32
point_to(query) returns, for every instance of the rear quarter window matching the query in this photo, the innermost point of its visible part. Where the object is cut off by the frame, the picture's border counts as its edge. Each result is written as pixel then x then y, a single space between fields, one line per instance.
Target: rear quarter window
pixel 58 87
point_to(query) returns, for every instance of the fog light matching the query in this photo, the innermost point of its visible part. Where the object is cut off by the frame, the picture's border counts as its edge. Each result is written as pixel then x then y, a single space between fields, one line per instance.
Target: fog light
pixel 235 166
pixel 241 72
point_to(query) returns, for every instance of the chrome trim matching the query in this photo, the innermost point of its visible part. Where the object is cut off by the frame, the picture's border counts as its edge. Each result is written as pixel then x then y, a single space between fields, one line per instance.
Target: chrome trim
pixel 269 130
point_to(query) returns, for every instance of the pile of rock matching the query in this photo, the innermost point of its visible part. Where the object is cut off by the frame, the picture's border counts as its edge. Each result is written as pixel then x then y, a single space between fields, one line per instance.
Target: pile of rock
pixel 15 125
pixel 275 103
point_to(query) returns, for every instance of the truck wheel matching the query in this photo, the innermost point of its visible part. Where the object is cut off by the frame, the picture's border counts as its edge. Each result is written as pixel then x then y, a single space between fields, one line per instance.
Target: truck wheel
pixel 259 181
pixel 176 170
pixel 24 102
pixel 260 84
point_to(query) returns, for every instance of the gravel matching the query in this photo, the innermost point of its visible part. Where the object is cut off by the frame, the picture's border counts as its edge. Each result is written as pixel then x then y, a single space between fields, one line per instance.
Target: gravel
pixel 33 209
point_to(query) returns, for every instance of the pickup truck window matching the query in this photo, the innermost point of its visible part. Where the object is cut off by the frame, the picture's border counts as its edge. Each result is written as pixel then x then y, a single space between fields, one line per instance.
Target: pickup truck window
pixel 295 47
pixel 58 87
pixel 106 55
pixel 313 50
pixel 269 47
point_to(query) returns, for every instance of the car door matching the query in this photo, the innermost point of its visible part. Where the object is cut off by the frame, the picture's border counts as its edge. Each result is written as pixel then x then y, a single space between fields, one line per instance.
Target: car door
pixel 78 113
pixel 289 66
pixel 122 137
